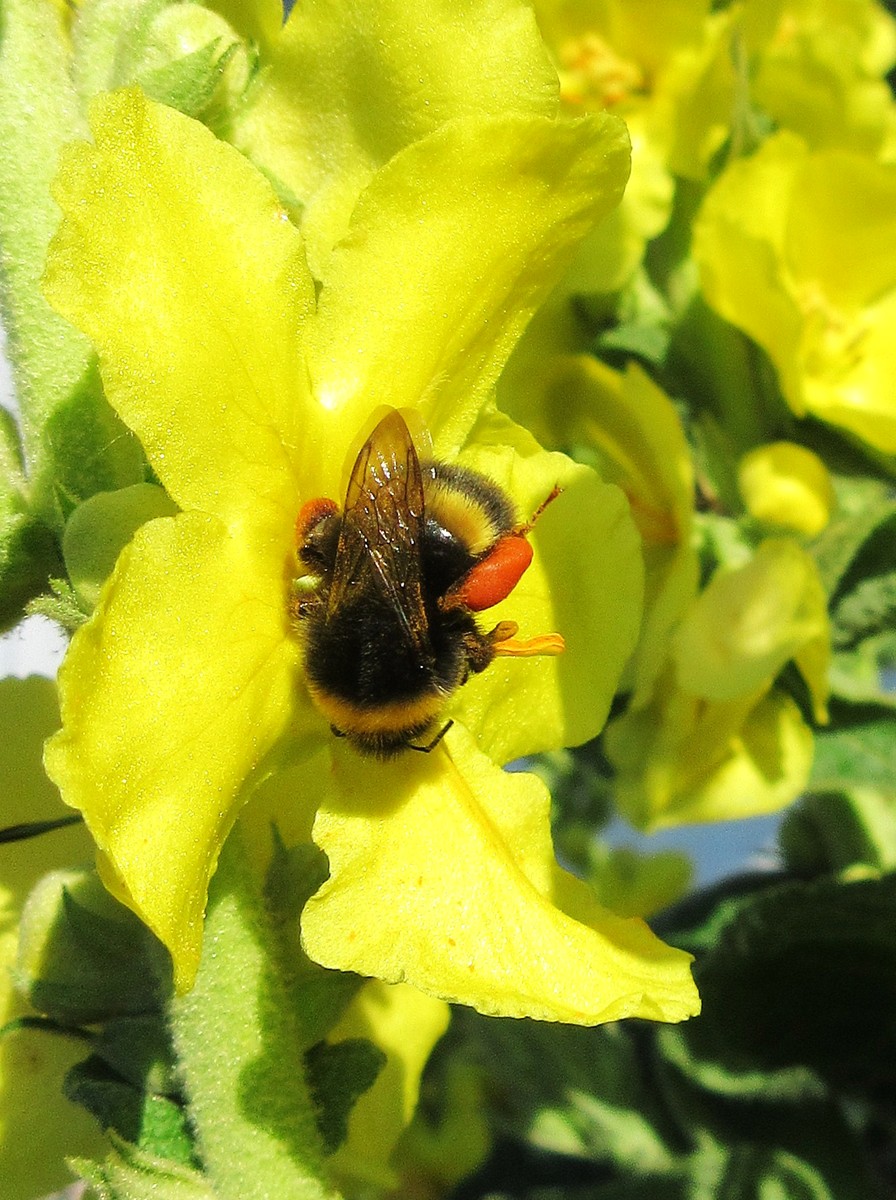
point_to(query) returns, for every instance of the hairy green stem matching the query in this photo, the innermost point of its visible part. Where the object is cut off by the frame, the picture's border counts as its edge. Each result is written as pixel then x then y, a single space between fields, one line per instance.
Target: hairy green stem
pixel 240 1049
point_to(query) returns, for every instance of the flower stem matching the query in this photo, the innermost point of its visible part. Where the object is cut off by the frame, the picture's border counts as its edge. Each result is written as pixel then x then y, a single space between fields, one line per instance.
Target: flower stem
pixel 239 1046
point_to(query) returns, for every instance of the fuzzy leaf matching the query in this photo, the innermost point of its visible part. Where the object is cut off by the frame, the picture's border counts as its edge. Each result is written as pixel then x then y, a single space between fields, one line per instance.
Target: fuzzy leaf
pixel 132 1174
pixel 859 751
pixel 149 1121
pixel 805 974
pixel 338 1074
pixel 83 957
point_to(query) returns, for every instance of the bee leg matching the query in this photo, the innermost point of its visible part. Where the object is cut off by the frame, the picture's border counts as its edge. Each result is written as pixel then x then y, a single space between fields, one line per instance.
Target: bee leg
pixel 430 746
pixel 336 732
pixel 480 648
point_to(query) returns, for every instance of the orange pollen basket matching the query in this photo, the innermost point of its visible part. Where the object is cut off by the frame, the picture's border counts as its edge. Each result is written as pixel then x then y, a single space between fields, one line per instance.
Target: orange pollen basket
pixel 493 579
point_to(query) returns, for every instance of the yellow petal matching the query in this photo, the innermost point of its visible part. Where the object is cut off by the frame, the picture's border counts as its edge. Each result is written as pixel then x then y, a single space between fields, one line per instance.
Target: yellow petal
pixel 766 769
pixel 585 583
pixel 684 760
pixel 785 484
pixel 175 258
pixel 452 247
pixel 172 695
pixel 739 244
pixel 260 20
pixel 345 87
pixel 633 427
pixel 442 873
pixel 405 1024
pixel 750 621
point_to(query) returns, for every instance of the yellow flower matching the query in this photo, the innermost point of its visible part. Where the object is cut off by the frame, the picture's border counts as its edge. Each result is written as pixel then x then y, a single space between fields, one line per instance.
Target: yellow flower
pixel 619 57
pixel 786 485
pixel 717 740
pixel 247 390
pixel 818 70
pixel 798 249
pixel 632 428
pixel 344 87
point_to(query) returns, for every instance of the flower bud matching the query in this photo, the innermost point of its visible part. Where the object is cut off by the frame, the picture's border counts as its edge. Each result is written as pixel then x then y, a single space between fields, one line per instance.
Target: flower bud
pixel 786 485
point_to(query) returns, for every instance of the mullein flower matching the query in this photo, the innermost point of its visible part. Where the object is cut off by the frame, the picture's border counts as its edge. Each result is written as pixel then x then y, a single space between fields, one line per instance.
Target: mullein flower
pixel 796 248
pixel 718 740
pixel 247 390
pixel 632 430
pixel 786 485
pixel 819 69
pixel 617 58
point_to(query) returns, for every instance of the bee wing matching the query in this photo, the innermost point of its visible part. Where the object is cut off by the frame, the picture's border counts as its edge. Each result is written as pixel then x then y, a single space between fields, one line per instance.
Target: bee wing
pixel 382 524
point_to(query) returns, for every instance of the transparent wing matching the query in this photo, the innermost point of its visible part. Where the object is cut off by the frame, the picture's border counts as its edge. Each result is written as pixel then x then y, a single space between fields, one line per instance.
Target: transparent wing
pixel 382 523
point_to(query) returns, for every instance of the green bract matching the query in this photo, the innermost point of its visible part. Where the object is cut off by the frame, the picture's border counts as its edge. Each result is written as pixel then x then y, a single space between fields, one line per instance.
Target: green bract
pixel 248 391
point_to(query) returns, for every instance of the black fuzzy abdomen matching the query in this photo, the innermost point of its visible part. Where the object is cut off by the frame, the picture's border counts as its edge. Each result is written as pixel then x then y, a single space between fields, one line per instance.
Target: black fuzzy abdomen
pixel 364 655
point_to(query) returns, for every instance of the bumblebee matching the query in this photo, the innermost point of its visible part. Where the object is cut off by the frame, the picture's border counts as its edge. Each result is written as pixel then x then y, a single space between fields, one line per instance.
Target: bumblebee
pixel 390 587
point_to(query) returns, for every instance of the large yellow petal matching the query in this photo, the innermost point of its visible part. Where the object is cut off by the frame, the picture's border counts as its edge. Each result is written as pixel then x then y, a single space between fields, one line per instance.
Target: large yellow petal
pixel 452 247
pixel 585 582
pixel 346 86
pixel 841 228
pixel 739 244
pixel 172 695
pixel 442 876
pixel 175 258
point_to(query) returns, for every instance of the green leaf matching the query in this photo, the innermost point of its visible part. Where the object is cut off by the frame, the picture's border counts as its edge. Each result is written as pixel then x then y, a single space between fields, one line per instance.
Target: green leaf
pixel 633 339
pixel 139 1049
pixel 803 975
pixel 571 1091
pixel 108 42
pixel 761 1173
pixel 844 546
pixel 859 676
pixel 38 114
pixel 188 83
pixel 29 557
pixel 832 831
pixel 858 752
pixel 60 604
pixel 867 609
pixel 90 449
pixel 29 553
pixel 132 1174
pixel 83 957
pixel 154 1123
pixel 239 1045
pixel 338 1074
